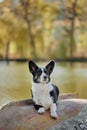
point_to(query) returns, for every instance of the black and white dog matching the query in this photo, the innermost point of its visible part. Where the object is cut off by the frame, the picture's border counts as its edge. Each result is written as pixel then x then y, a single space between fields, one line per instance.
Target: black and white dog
pixel 44 93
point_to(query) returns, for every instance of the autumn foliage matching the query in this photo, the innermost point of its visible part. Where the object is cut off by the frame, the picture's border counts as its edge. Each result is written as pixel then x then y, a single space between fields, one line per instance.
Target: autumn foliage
pixel 43 29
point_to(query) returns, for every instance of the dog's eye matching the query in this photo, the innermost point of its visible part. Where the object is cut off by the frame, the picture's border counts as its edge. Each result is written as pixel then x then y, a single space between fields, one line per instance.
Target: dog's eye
pixel 45 71
pixel 39 73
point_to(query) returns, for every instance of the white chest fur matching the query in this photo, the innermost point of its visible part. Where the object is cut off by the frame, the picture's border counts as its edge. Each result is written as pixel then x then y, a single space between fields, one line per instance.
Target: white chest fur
pixel 41 94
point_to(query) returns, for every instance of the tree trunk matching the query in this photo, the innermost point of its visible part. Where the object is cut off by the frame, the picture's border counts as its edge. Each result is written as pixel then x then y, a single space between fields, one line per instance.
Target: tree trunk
pixel 32 39
pixel 7 51
pixel 72 41
pixel 28 18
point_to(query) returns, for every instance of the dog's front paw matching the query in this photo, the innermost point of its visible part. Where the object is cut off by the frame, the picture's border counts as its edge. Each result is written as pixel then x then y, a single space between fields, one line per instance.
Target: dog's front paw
pixel 54 114
pixel 41 110
pixel 53 111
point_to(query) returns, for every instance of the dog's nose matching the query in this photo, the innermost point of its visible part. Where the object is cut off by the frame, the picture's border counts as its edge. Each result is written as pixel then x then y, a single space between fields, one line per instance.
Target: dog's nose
pixel 45 77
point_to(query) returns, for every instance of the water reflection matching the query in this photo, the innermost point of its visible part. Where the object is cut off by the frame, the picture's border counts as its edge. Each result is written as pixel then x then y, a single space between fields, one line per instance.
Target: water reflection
pixel 15 80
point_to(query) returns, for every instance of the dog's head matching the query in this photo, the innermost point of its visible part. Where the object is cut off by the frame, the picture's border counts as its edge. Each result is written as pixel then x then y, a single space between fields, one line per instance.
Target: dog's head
pixel 41 75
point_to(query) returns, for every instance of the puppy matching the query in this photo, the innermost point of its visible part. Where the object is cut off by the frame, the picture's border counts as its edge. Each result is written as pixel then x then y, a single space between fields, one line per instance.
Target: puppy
pixel 44 93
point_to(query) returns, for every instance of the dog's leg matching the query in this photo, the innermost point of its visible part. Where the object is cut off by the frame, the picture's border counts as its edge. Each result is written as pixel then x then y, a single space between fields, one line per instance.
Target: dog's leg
pixel 39 108
pixel 53 110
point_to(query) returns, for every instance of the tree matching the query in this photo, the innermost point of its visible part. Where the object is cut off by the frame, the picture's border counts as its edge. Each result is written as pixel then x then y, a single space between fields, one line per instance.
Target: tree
pixel 72 11
pixel 26 12
pixel 37 15
pixel 6 26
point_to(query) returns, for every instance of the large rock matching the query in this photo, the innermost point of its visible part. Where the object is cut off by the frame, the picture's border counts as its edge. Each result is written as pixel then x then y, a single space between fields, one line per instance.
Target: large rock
pixel 78 122
pixel 21 115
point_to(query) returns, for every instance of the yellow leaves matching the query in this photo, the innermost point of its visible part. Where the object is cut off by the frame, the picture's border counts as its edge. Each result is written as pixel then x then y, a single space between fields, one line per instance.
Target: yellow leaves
pixel 72 1
pixel 81 3
pixel 80 6
pixel 12 48
pixel 3 34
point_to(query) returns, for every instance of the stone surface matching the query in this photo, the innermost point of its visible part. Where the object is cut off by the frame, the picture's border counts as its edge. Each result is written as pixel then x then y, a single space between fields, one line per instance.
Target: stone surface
pixel 78 122
pixel 21 115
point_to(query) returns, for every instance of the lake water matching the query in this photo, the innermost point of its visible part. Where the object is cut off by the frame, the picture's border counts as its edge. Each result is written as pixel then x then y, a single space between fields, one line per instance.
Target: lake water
pixel 15 80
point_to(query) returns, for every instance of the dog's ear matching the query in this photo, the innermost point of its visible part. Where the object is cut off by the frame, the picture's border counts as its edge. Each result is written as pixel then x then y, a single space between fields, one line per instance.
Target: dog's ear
pixel 50 66
pixel 32 66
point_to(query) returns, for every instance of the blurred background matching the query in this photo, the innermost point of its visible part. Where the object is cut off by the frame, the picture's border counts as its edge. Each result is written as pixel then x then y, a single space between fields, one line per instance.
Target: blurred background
pixel 42 30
